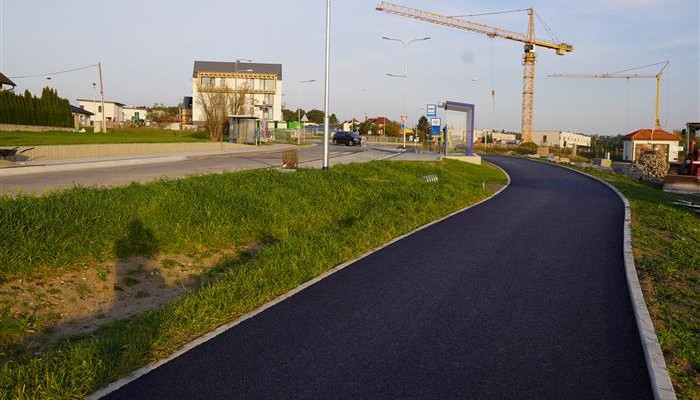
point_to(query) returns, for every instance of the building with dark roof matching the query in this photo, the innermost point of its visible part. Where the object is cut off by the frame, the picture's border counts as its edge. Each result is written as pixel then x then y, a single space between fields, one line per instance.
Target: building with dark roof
pixel 258 84
pixel 5 81
pixel 81 116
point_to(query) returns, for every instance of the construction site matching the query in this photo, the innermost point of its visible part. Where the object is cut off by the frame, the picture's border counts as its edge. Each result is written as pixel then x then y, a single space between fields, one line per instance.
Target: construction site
pixel 676 156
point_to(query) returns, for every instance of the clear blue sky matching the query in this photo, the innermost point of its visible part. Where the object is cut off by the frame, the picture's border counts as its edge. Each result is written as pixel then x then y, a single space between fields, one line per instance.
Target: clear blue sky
pixel 148 47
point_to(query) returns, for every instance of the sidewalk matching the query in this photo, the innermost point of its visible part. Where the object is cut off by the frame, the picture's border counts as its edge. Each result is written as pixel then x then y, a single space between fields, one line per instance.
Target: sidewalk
pixel 39 166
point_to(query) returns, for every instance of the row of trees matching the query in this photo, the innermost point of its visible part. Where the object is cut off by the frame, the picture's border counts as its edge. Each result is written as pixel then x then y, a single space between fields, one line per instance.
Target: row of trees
pixel 314 116
pixel 47 110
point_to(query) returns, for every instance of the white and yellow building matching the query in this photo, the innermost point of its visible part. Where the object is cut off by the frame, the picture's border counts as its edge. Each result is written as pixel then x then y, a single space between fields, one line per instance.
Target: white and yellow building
pixel 262 84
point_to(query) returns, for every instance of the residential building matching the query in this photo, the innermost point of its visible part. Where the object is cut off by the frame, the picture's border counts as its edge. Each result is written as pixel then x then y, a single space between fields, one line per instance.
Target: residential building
pixel 113 111
pixel 493 137
pixel 5 81
pixel 130 114
pixel 646 141
pixel 81 117
pixel 562 139
pixel 260 83
pixel 351 125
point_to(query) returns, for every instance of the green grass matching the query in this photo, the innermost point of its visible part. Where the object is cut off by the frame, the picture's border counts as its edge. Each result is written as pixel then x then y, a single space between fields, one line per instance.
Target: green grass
pixel 666 242
pixel 300 225
pixel 125 135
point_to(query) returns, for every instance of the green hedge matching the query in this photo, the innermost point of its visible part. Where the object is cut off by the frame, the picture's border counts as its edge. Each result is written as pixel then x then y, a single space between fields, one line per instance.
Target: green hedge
pixel 47 110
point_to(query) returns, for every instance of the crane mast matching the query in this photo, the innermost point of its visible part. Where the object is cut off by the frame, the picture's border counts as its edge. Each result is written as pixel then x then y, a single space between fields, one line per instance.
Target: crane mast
pixel 528 39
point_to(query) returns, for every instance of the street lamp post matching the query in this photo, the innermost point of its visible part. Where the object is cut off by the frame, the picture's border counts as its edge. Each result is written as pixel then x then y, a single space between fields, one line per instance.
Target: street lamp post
pixel 299 97
pixel 405 45
pixel 94 102
pixel 326 80
pixel 235 81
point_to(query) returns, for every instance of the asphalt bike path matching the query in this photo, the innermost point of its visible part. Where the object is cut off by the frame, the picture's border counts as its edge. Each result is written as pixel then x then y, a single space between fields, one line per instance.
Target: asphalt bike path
pixel 521 297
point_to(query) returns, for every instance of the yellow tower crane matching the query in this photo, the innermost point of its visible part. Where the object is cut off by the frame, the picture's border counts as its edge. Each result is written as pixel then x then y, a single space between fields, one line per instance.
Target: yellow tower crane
pixel 625 75
pixel 528 56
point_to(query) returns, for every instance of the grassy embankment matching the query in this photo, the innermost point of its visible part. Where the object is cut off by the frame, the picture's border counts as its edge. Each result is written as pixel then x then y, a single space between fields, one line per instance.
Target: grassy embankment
pixel 666 242
pixel 301 225
pixel 125 135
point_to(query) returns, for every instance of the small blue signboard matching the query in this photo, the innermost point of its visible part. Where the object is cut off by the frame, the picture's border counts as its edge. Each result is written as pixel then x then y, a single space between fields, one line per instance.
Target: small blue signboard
pixel 435 126
pixel 431 111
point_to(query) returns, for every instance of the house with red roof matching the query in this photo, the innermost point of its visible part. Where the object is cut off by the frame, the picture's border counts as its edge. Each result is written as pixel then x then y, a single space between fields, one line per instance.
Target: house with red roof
pixel 650 141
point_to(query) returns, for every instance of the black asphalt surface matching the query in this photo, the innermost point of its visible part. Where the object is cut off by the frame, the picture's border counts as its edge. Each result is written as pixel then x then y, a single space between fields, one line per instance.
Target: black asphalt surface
pixel 522 297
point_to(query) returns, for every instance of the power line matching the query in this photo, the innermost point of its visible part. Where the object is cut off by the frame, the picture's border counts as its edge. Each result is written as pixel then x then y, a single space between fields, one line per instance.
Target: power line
pixel 55 73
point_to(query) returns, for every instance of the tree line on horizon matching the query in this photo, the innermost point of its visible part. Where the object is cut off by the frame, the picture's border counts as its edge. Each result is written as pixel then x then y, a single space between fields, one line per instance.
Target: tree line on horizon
pixel 48 110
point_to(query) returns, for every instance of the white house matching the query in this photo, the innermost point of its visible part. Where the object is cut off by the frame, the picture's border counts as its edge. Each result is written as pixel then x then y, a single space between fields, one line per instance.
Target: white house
pixel 646 141
pixel 81 117
pixel 130 112
pixel 113 112
pixel 562 139
pixel 262 84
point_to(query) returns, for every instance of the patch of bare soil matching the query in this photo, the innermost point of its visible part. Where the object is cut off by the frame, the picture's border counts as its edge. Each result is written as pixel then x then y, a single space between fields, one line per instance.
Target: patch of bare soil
pixel 78 302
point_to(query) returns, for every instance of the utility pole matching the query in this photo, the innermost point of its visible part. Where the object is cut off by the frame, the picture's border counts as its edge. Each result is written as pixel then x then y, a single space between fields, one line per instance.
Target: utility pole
pixel 103 128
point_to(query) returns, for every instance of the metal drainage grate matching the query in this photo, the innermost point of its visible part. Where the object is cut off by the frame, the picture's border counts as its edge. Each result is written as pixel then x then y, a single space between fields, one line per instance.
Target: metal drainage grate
pixel 430 178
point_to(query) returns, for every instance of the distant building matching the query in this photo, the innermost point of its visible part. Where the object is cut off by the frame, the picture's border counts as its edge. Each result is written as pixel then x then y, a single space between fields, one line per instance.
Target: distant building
pixel 5 81
pixel 493 137
pixel 645 141
pixel 262 84
pixel 562 139
pixel 134 113
pixel 351 125
pixel 81 117
pixel 114 111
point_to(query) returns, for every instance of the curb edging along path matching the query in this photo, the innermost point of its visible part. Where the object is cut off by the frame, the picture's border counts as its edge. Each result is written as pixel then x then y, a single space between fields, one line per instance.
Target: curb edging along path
pixel 656 364
pixel 223 328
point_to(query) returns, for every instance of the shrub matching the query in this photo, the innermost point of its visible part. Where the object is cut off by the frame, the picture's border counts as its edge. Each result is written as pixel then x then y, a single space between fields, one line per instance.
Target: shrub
pixel 526 148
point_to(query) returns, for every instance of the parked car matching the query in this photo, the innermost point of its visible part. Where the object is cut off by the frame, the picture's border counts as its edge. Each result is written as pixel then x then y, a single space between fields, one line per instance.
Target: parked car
pixel 347 138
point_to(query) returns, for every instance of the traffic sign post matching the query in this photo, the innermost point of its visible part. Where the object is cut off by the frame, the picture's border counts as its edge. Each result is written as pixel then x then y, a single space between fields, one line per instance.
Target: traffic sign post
pixel 431 111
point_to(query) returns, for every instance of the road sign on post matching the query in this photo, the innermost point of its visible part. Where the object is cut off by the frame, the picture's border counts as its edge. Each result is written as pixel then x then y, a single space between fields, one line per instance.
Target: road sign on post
pixel 431 111
pixel 435 126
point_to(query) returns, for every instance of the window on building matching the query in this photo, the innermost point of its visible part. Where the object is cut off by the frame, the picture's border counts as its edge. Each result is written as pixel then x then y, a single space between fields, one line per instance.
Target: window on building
pixel 208 81
pixel 269 84
pixel 268 99
pixel 544 138
pixel 99 108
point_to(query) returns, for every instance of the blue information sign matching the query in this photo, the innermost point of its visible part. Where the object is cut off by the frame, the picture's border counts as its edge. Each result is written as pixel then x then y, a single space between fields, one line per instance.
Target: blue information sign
pixel 431 111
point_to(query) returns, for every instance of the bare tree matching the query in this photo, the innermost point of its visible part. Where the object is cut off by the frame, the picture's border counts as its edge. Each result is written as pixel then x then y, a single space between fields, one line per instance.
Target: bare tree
pixel 218 103
pixel 215 105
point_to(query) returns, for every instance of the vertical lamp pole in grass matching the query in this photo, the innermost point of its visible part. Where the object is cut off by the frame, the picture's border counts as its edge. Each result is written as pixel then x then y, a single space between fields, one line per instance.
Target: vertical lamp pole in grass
pixel 405 45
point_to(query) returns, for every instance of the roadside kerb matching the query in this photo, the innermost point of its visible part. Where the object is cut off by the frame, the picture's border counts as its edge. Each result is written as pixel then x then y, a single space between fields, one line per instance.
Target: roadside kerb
pixel 119 162
pixel 661 383
pixel 223 328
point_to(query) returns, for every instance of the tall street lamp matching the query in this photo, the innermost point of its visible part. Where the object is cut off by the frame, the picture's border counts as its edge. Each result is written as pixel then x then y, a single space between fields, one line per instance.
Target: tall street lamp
pixel 235 80
pixel 299 97
pixel 94 102
pixel 405 78
pixel 299 106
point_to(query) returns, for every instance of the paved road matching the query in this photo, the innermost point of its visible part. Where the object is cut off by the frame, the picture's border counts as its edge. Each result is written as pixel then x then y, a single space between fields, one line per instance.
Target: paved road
pixel 40 182
pixel 522 297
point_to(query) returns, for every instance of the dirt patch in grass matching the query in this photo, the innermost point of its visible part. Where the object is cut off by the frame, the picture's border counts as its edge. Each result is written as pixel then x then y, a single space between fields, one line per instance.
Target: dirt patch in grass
pixel 78 302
